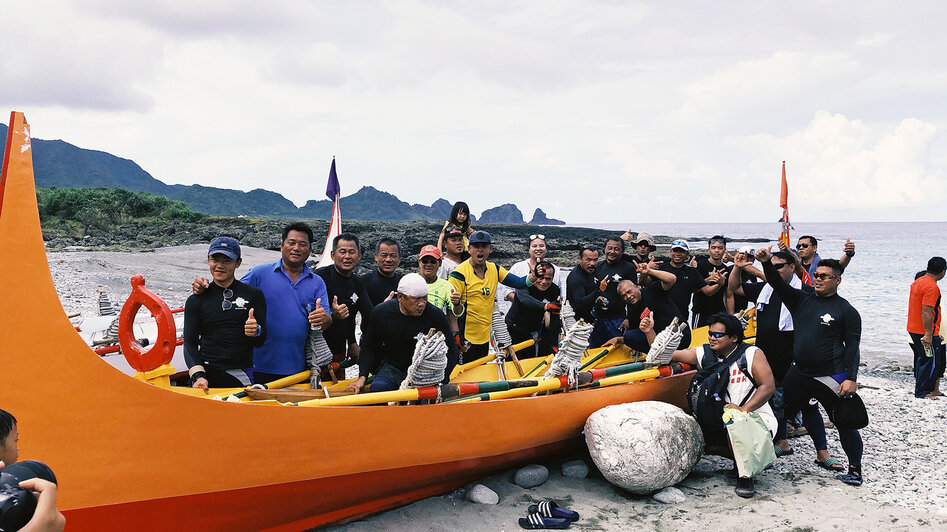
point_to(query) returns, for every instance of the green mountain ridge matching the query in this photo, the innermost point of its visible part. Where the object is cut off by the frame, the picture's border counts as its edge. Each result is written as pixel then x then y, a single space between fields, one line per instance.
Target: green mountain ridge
pixel 59 164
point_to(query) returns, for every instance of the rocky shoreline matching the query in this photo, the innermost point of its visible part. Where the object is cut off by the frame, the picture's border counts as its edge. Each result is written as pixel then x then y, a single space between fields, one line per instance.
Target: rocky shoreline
pixel 509 240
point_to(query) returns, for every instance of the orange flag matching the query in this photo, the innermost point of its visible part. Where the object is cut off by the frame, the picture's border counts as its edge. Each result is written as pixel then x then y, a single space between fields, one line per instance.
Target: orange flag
pixel 784 203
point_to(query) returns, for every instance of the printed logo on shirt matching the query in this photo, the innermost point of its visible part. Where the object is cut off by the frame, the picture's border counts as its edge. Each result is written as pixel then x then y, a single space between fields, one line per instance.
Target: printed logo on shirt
pixel 616 277
pixel 736 376
pixel 486 290
pixel 240 303
pixel 826 319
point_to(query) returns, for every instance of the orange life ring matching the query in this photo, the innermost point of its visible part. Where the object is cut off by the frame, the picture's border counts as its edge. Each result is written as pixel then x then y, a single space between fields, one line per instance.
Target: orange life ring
pixel 162 350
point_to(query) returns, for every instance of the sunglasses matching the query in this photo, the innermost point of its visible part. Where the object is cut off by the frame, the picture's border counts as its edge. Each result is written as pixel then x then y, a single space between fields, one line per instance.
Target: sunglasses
pixel 802 245
pixel 718 241
pixel 780 266
pixel 714 334
pixel 428 260
pixel 539 236
pixel 225 304
pixel 824 276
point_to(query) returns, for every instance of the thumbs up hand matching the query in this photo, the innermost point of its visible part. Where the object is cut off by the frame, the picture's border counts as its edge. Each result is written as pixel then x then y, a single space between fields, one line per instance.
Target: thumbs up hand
pixel 339 312
pixel 250 328
pixel 454 297
pixel 849 247
pixel 317 318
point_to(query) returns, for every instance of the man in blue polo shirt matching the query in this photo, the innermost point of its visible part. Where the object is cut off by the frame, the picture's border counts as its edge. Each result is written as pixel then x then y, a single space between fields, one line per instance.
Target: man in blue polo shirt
pixel 290 289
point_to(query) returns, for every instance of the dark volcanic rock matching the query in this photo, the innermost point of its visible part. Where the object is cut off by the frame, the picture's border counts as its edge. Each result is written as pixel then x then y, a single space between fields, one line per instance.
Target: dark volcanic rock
pixel 540 218
pixel 509 241
pixel 504 214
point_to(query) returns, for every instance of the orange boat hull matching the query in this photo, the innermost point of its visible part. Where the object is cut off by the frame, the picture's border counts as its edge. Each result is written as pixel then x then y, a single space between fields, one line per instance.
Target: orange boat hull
pixel 129 455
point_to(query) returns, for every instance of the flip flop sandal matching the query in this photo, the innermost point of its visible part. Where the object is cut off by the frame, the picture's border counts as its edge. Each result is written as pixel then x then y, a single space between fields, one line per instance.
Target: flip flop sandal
pixel 780 452
pixel 831 464
pixel 551 509
pixel 538 522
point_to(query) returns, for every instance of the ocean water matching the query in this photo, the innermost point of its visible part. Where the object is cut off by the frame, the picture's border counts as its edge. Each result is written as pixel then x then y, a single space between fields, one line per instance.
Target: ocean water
pixel 876 283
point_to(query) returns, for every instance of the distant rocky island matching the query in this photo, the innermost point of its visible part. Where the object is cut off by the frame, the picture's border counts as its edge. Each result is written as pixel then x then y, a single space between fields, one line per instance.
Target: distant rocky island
pixel 62 165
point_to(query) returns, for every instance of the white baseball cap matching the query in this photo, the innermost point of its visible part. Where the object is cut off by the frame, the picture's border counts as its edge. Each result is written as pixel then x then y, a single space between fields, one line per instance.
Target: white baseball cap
pixel 413 285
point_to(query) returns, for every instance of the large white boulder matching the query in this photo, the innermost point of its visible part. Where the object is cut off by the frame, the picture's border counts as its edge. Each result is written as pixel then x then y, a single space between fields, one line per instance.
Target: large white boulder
pixel 644 446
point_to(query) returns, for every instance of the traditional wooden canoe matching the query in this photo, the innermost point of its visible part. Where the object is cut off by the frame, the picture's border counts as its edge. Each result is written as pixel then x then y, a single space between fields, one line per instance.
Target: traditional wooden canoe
pixel 132 456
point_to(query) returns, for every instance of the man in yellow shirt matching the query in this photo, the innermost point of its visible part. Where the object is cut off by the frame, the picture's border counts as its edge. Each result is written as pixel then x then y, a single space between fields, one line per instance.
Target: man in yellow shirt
pixel 476 281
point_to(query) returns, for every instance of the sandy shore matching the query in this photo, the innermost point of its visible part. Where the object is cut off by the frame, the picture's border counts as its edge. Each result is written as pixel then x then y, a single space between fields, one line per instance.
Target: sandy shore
pixel 905 463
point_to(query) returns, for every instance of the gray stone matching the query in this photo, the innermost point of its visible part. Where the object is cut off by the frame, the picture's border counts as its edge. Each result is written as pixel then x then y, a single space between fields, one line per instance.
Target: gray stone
pixel 643 446
pixel 669 495
pixel 575 469
pixel 481 494
pixel 531 476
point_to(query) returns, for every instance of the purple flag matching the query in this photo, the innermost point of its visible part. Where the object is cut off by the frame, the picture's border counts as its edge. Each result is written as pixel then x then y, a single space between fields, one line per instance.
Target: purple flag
pixel 332 187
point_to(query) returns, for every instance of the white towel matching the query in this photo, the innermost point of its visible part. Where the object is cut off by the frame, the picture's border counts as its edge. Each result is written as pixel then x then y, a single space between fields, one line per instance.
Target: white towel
pixel 785 318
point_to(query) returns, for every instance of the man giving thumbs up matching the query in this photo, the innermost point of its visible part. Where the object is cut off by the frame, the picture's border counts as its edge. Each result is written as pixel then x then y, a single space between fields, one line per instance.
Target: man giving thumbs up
pixel 223 323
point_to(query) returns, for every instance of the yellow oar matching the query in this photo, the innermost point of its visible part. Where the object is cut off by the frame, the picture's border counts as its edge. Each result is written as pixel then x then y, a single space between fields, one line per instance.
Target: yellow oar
pixel 547 385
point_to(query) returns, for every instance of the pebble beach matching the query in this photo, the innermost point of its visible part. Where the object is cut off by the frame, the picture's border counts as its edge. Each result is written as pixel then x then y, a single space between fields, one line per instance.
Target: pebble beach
pixel 905 463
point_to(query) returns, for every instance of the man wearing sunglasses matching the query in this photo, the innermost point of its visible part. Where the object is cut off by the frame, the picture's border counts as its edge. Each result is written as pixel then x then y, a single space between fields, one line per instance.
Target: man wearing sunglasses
pixel 751 380
pixel 808 250
pixel 774 335
pixel 827 332
pixel 440 292
pixel 224 323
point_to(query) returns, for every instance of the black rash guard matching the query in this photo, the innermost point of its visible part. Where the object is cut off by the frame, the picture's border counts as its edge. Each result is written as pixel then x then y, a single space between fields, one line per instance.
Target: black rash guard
pixel 581 291
pixel 656 299
pixel 827 329
pixel 378 287
pixel 215 337
pixel 351 293
pixel 688 281
pixel 391 337
pixel 775 344
pixel 526 311
pixel 620 271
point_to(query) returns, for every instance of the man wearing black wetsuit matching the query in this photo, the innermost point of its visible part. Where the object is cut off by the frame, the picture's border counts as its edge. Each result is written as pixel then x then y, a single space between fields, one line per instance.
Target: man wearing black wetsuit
pixel 382 283
pixel 825 349
pixel 654 298
pixel 525 320
pixel 389 341
pixel 347 296
pixel 581 287
pixel 223 324
pixel 774 335
pixel 609 310
pixel 705 305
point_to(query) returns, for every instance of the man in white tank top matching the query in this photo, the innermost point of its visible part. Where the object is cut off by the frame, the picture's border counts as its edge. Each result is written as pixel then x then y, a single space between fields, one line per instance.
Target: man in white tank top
pixel 725 335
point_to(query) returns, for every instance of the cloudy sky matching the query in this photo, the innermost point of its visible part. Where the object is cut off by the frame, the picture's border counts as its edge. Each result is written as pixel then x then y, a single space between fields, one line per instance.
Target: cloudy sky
pixel 606 111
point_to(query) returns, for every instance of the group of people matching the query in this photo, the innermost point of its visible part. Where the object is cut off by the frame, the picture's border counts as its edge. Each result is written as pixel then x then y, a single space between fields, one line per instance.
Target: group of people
pixel 255 329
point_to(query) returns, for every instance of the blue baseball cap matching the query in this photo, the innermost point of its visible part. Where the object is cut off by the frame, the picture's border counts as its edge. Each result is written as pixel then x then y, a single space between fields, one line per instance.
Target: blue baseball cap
pixel 479 237
pixel 225 246
pixel 682 244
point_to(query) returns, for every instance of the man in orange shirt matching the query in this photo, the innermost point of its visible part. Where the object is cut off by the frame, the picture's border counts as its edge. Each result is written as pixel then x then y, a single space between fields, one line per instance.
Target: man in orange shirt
pixel 924 329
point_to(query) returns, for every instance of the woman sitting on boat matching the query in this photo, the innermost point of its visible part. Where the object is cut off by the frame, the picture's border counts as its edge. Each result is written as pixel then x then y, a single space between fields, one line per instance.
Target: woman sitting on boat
pixel 537 252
